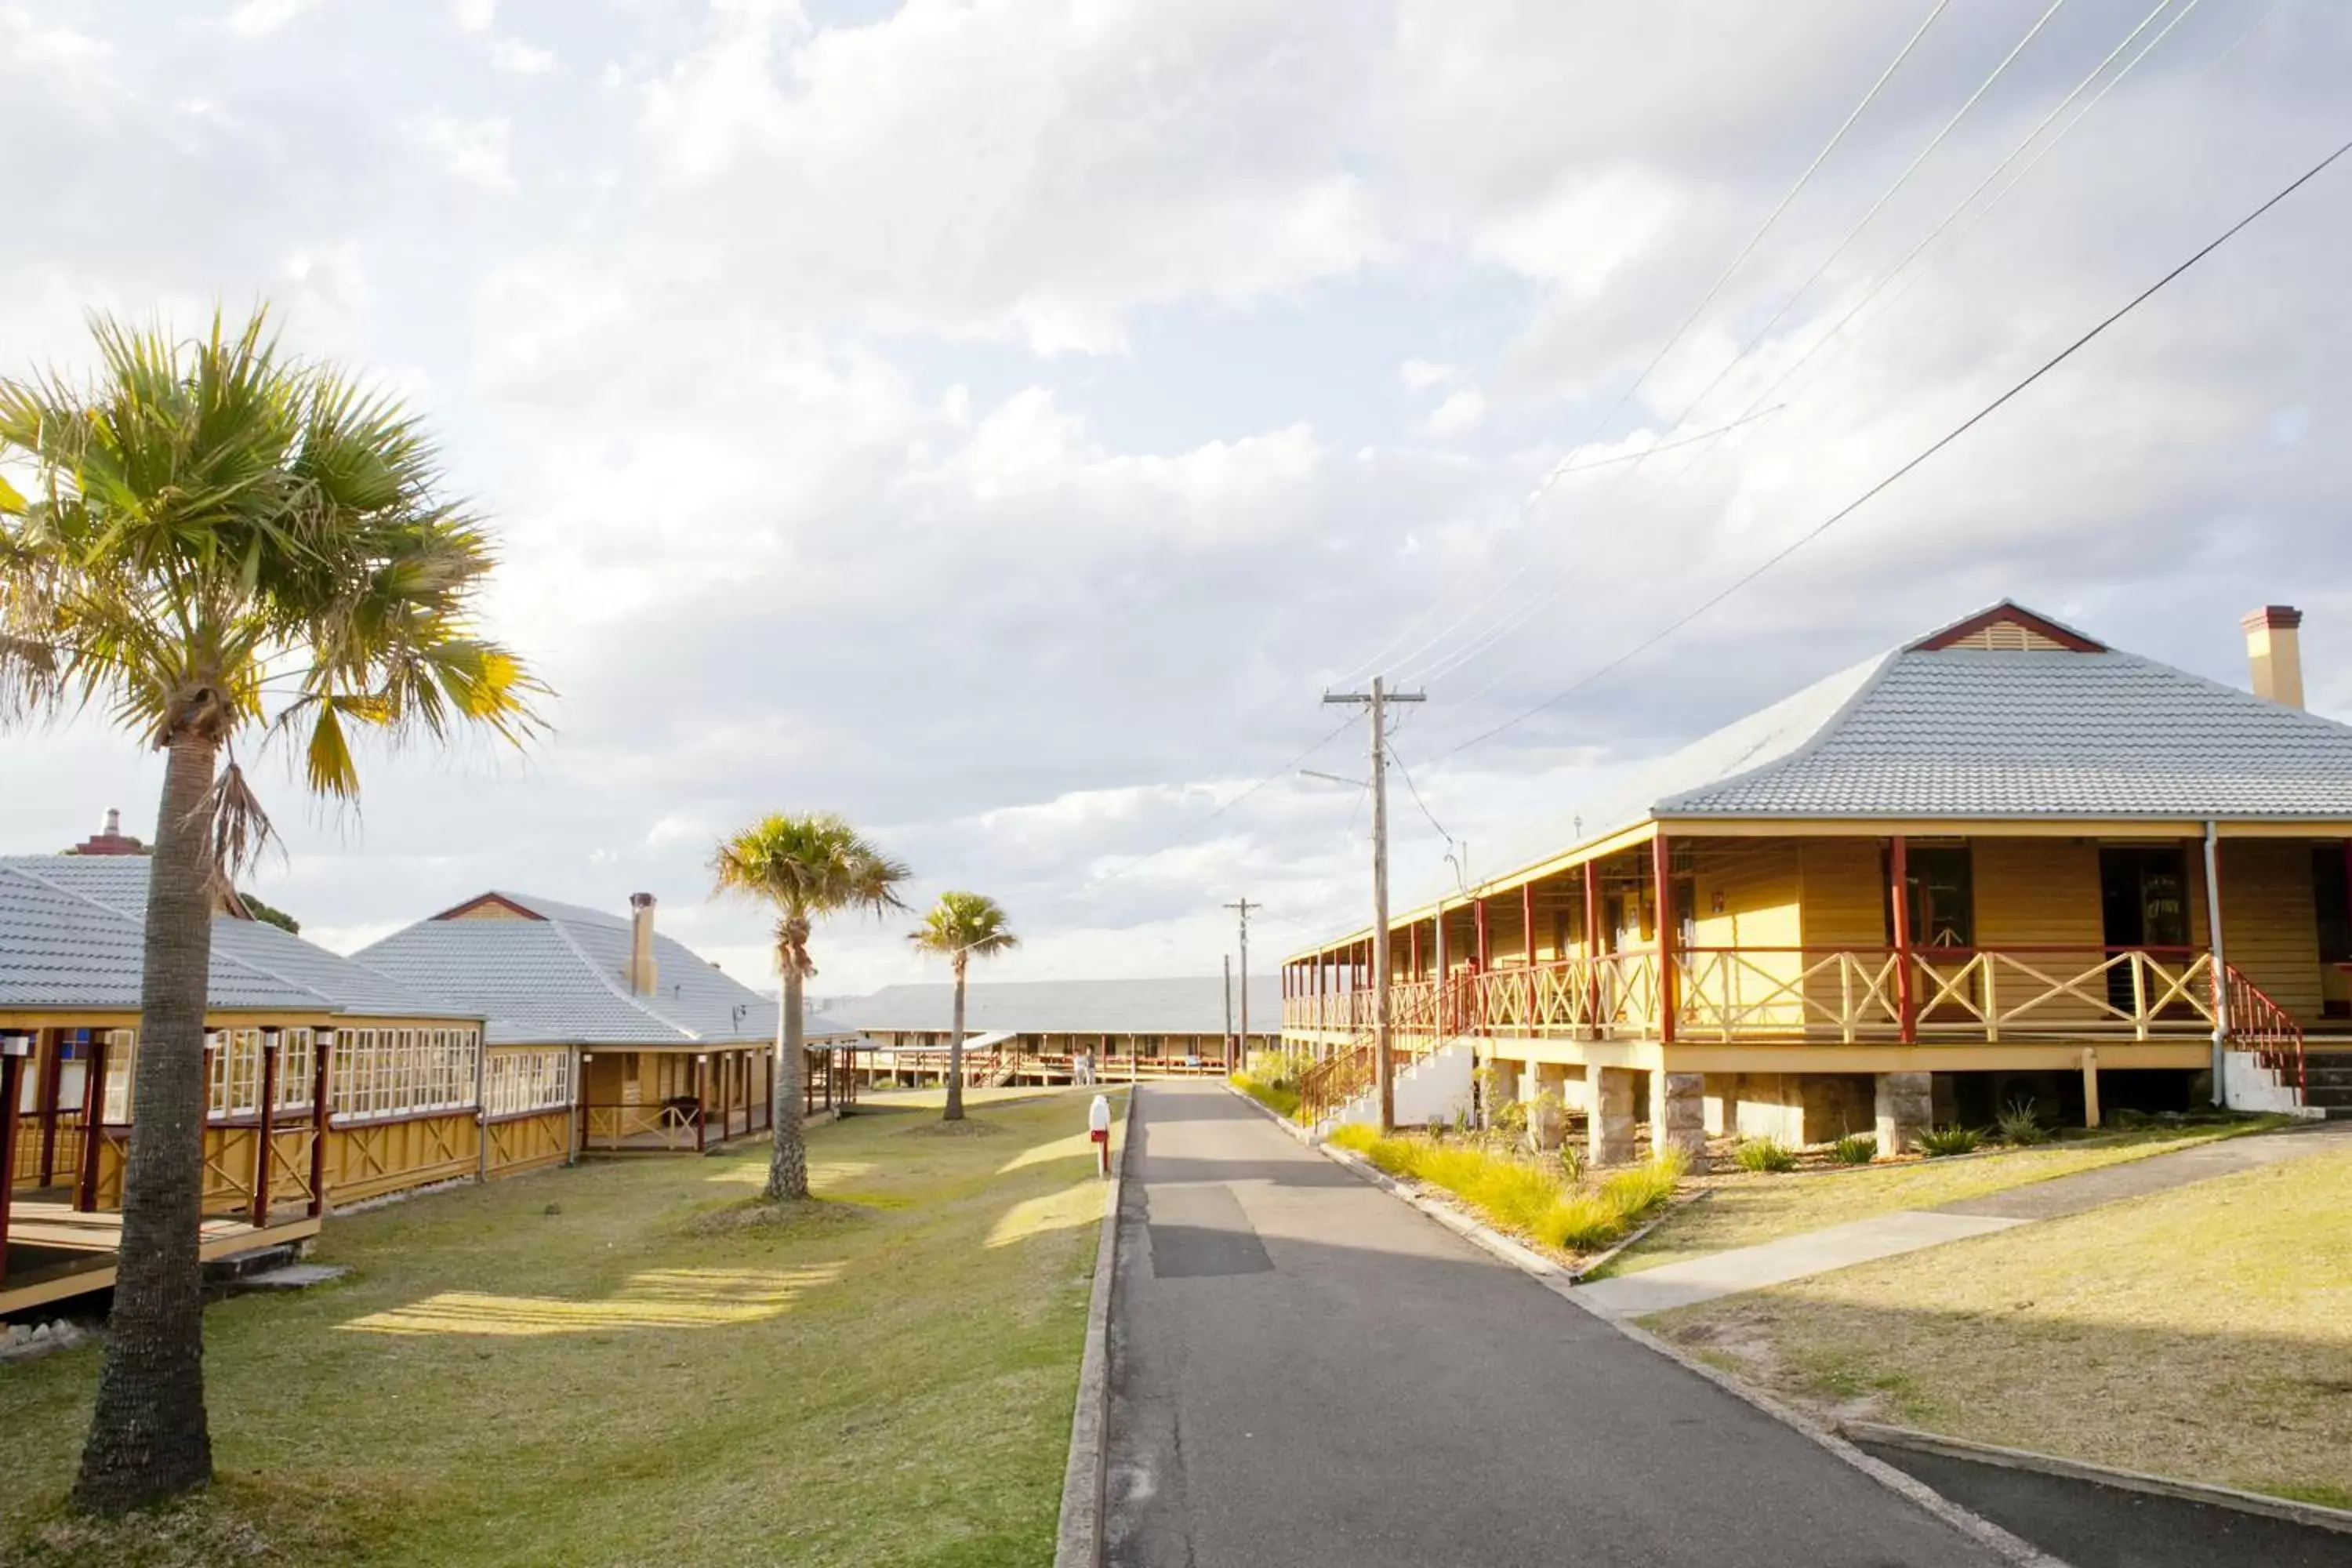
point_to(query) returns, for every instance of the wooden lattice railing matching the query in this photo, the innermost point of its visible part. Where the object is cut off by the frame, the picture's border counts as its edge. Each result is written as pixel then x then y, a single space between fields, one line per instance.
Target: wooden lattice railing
pixel 1846 995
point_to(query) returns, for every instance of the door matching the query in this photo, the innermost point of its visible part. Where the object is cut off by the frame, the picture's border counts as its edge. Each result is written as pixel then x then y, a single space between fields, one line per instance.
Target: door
pixel 2143 903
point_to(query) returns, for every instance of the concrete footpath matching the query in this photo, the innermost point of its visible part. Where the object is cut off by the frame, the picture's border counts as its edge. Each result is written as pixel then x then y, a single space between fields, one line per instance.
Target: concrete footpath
pixel 1307 1373
pixel 1730 1272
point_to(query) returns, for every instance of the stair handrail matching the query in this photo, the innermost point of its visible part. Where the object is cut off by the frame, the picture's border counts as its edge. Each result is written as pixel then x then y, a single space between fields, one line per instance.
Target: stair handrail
pixel 2258 1024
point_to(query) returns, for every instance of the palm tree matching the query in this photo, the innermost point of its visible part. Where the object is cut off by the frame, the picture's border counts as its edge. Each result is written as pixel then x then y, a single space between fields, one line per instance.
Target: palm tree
pixel 959 926
pixel 219 543
pixel 804 867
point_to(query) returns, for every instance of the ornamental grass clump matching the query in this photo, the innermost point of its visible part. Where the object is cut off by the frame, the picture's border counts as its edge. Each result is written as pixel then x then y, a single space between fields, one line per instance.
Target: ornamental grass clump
pixel 2021 1124
pixel 1939 1141
pixel 1854 1149
pixel 1280 1098
pixel 1764 1155
pixel 1533 1199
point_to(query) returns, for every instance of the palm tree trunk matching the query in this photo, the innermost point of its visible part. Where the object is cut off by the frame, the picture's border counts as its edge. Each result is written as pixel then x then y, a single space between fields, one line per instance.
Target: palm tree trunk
pixel 954 1111
pixel 148 1436
pixel 788 1161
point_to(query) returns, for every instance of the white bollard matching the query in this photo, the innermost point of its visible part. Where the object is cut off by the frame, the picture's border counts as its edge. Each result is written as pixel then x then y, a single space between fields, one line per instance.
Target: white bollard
pixel 1098 1128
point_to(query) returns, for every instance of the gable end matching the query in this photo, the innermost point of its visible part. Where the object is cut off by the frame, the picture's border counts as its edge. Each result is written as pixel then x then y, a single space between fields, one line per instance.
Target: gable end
pixel 2008 628
pixel 489 907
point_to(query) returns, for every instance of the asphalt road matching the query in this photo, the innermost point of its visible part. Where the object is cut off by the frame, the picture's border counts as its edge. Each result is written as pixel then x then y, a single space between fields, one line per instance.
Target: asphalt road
pixel 2094 1526
pixel 1306 1373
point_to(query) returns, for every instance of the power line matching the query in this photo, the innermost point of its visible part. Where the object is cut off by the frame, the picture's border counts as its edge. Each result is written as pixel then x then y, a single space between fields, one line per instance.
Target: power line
pixel 1492 635
pixel 1414 789
pixel 1900 267
pixel 1193 834
pixel 1384 656
pixel 1497 634
pixel 1946 439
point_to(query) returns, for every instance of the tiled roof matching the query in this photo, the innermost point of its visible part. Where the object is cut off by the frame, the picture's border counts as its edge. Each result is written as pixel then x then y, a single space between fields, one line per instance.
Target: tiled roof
pixel 1970 732
pixel 562 980
pixel 72 929
pixel 1178 1006
pixel 1978 733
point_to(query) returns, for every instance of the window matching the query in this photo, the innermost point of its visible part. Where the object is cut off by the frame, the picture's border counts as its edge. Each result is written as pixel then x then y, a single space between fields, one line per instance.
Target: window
pixel 515 1083
pixel 233 1085
pixel 1939 896
pixel 122 1061
pixel 403 1072
pixel 2334 901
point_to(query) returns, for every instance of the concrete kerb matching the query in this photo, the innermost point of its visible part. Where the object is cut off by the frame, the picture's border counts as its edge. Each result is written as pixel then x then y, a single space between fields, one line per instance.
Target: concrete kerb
pixel 1561 1283
pixel 1079 1542
pixel 2292 1512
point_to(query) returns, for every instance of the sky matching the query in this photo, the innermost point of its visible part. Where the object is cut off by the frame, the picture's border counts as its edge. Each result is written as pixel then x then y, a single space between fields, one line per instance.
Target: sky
pixel 1001 422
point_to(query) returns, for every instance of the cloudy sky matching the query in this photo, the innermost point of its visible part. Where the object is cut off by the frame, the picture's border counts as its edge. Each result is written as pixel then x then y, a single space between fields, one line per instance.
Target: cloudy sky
pixel 999 421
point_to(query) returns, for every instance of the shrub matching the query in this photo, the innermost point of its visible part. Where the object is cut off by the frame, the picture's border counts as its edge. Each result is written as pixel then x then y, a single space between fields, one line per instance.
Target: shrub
pixel 1280 1098
pixel 1855 1149
pixel 1941 1140
pixel 1520 1195
pixel 2021 1124
pixel 1764 1154
pixel 1571 1163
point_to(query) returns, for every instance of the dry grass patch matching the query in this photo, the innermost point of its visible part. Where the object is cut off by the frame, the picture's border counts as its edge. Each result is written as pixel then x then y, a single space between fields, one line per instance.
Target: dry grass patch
pixel 2204 1333
pixel 1750 1208
pixel 970 1127
pixel 641 1374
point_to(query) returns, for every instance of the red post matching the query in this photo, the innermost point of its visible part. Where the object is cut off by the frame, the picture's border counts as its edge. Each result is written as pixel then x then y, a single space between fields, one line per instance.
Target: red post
pixel 93 1109
pixel 1899 863
pixel 1663 885
pixel 11 1069
pixel 263 1133
pixel 1412 947
pixel 321 1082
pixel 53 1066
pixel 1528 923
pixel 1481 960
pixel 1593 941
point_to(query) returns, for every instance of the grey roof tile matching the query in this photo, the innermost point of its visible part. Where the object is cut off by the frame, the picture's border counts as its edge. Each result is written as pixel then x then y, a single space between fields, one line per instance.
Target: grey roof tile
pixel 561 979
pixel 72 933
pixel 1972 732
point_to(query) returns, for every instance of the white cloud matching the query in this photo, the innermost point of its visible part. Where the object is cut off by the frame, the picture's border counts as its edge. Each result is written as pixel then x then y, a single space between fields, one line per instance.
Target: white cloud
pixel 994 420
pixel 516 57
pixel 1459 415
pixel 259 18
pixel 474 16
pixel 478 151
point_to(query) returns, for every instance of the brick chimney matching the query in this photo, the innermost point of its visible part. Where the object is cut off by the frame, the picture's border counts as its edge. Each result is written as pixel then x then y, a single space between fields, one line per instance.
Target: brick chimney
pixel 643 972
pixel 109 840
pixel 2274 646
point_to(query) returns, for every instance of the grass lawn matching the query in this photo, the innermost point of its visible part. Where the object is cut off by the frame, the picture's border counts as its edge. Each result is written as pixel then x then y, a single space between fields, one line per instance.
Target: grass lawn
pixel 2204 1334
pixel 1747 1209
pixel 628 1362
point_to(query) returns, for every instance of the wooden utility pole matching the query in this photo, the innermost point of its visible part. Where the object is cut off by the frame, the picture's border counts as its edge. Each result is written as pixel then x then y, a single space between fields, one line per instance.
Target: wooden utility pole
pixel 1376 704
pixel 1229 1013
pixel 1243 906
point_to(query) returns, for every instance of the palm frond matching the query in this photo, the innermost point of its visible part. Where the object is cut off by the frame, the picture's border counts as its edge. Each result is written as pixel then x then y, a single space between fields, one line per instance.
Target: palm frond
pixel 807 867
pixel 964 924
pixel 203 511
pixel 241 829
